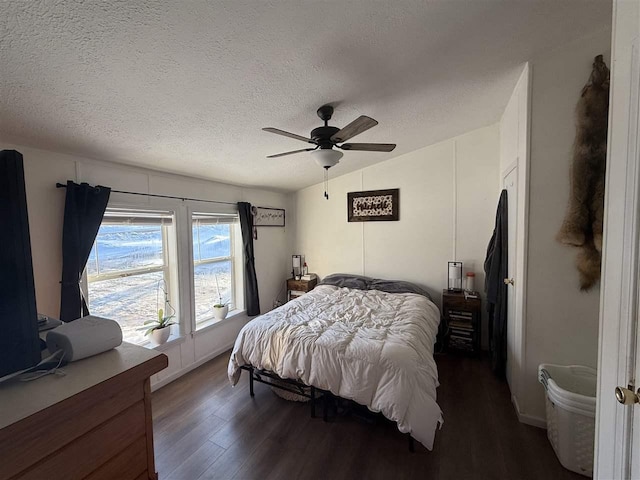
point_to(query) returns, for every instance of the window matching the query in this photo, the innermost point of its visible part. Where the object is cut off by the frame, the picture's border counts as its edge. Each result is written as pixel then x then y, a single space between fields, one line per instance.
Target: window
pixel 214 266
pixel 130 263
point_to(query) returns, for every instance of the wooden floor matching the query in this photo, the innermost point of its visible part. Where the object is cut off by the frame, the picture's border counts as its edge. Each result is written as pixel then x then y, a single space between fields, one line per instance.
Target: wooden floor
pixel 205 429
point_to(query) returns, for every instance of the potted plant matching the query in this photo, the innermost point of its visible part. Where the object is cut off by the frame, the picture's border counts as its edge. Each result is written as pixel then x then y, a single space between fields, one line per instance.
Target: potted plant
pixel 160 328
pixel 220 309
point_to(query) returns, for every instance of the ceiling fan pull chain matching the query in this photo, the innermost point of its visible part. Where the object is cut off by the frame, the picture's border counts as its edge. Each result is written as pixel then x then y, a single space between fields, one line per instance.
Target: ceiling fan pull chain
pixel 326 183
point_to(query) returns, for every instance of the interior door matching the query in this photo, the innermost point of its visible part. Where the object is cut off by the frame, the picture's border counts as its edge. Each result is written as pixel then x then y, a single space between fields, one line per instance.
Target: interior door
pixel 617 450
pixel 633 152
pixel 634 444
pixel 510 183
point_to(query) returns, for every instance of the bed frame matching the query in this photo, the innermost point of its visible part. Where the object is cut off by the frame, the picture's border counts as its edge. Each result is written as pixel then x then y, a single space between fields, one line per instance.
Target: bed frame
pixel 267 377
pixel 308 391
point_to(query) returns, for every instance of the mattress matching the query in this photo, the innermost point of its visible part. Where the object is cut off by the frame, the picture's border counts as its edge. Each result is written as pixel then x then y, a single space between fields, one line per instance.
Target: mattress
pixel 372 347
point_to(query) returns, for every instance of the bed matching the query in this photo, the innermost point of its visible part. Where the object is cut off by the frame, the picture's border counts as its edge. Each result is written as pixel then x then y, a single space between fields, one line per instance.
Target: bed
pixel 362 339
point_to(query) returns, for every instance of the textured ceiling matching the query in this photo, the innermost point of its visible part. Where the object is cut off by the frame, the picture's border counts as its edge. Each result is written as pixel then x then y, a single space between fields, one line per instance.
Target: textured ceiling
pixel 186 86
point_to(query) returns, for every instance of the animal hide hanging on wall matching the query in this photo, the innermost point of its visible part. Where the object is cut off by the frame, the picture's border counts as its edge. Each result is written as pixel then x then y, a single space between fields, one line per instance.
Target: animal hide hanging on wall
pixel 582 226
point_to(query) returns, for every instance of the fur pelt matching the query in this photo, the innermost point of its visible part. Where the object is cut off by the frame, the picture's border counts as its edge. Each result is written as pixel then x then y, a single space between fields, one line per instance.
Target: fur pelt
pixel 582 226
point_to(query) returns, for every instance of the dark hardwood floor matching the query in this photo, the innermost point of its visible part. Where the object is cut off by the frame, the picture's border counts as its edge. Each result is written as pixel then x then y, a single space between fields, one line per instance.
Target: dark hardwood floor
pixel 205 429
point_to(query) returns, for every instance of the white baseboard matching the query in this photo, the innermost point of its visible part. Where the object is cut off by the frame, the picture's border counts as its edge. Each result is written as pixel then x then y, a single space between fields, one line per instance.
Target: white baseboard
pixel 196 364
pixel 528 419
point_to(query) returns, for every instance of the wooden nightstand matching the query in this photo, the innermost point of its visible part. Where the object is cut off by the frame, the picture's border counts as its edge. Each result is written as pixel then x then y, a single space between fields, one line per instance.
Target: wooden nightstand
pixel 461 321
pixel 296 288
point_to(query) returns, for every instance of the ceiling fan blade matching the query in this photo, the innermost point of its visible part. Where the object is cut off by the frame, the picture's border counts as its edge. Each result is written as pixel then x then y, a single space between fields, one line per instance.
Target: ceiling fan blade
pixel 369 147
pixel 287 134
pixel 359 125
pixel 291 153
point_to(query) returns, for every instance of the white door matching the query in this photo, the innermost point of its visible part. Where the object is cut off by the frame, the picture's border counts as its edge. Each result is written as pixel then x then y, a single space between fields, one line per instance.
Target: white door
pixel 510 184
pixel 617 454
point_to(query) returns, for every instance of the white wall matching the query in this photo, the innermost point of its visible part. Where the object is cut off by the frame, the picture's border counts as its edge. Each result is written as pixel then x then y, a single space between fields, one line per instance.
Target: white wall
pixel 448 197
pixel 561 321
pixel 46 206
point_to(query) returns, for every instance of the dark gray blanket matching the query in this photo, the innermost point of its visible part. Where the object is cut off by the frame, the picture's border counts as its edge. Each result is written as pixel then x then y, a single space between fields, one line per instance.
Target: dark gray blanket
pixel 361 282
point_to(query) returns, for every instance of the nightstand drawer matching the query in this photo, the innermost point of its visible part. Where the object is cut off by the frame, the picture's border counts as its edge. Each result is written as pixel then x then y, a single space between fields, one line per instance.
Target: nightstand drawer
pixel 301 285
pixel 458 301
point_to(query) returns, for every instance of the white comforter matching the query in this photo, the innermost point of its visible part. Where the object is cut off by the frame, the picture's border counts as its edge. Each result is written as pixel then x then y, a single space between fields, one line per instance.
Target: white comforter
pixel 372 347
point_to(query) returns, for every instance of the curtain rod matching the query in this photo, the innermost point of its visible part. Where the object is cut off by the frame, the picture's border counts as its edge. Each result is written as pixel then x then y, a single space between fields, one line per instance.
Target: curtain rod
pixel 61 185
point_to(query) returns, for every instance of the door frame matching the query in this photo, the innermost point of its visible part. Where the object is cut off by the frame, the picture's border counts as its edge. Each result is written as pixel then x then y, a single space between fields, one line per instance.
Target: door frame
pixel 521 161
pixel 518 272
pixel 620 255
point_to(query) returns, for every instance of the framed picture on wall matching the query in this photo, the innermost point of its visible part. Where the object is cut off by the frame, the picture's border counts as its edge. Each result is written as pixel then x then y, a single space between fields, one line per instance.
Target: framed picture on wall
pixel 374 206
pixel 268 217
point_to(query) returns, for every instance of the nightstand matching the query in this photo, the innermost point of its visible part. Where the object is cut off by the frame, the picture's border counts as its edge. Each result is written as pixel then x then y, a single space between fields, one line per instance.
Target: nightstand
pixel 296 288
pixel 461 315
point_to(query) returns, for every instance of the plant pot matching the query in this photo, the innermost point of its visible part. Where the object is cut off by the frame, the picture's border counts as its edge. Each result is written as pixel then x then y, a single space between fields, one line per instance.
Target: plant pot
pixel 220 312
pixel 160 335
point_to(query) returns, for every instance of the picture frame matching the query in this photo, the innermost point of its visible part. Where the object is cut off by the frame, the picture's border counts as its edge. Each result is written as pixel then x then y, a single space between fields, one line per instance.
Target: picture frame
pixel 374 206
pixel 268 217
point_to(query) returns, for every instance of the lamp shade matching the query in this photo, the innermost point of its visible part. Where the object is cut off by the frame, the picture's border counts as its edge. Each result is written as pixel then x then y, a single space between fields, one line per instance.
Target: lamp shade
pixel 327 157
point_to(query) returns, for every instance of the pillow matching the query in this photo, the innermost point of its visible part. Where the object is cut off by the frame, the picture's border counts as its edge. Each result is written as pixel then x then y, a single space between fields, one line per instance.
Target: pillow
pixel 347 280
pixel 361 282
pixel 397 286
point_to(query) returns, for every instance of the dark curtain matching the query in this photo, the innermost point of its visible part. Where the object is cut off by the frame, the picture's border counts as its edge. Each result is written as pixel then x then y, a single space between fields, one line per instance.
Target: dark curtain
pixel 496 270
pixel 251 299
pixel 83 211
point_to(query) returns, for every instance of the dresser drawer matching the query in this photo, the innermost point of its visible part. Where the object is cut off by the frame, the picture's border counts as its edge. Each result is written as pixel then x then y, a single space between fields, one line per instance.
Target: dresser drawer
pixel 81 457
pixel 129 464
pixel 30 441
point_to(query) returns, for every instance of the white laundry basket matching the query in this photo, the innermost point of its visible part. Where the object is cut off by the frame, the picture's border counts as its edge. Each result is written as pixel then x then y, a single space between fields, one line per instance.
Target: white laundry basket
pixel 571 412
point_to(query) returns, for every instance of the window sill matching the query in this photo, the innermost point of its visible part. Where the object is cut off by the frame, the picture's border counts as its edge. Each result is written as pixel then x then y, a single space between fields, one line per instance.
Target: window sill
pixel 213 322
pixel 207 325
pixel 174 339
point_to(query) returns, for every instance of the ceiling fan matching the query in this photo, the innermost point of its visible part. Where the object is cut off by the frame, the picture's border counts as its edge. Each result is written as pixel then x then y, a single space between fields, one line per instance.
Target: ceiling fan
pixel 326 137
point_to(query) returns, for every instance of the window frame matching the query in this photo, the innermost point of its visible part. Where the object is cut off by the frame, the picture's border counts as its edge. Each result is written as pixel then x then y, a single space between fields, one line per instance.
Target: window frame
pixel 178 258
pixel 170 263
pixel 235 306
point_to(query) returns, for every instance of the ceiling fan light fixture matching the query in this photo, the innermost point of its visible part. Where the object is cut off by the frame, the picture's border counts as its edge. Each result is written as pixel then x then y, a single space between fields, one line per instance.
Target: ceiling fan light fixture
pixel 327 157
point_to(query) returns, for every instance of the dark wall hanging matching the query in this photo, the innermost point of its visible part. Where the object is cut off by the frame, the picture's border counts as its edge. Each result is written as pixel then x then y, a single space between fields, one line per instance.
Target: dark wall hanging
pixel 373 205
pixel 582 226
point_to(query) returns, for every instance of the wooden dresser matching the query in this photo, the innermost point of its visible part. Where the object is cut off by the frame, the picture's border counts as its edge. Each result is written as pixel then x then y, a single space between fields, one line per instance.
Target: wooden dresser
pixel 94 422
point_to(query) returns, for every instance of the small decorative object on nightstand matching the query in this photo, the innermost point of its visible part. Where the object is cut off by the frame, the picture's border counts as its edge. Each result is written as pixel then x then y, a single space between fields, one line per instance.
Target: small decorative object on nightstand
pixel 454 283
pixel 296 288
pixel 461 320
pixel 296 266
